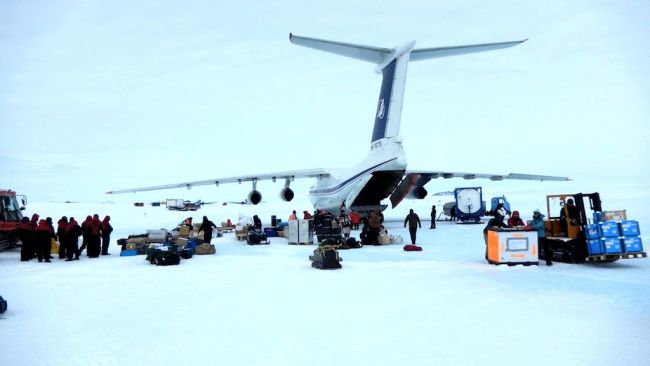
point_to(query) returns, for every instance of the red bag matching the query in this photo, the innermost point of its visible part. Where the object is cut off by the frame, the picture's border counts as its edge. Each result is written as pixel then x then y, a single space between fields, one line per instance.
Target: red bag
pixel 412 248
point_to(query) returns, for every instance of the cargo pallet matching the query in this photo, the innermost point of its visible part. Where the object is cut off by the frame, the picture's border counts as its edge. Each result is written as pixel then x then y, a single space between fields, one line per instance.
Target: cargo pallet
pixel 613 257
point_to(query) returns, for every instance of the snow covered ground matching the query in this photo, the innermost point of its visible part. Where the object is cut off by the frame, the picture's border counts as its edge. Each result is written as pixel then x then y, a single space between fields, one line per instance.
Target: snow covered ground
pixel 265 305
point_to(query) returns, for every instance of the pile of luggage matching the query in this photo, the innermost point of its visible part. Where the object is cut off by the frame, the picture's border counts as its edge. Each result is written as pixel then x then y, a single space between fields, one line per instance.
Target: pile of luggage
pixel 163 254
pixel 161 248
pixel 325 257
pixel 256 236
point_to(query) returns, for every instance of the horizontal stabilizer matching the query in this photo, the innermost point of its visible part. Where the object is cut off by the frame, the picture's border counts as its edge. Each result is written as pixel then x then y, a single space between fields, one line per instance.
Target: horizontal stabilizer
pixel 365 53
pixel 436 52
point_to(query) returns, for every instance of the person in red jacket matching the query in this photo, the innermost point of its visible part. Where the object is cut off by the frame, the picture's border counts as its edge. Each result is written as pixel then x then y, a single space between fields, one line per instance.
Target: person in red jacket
pixel 43 241
pixel 85 233
pixel 107 229
pixel 72 234
pixel 306 215
pixel 355 220
pixel 94 237
pixel 515 220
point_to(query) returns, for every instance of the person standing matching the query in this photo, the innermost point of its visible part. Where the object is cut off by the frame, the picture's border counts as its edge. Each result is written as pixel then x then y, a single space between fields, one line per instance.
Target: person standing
pixel 355 220
pixel 107 229
pixel 94 237
pixel 43 241
pixel 374 225
pixel 306 215
pixel 496 221
pixel 433 217
pixel 413 221
pixel 85 233
pixel 72 234
pixel 206 227
pixel 60 234
pixel 293 216
pixel 538 223
pixel 26 235
pixel 344 221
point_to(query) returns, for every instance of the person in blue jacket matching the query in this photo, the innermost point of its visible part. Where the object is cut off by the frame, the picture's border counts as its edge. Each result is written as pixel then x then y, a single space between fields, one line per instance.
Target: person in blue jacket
pixel 538 223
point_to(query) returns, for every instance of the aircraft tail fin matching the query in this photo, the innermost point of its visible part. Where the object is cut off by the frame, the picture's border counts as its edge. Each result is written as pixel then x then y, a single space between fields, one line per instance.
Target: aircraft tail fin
pixel 392 63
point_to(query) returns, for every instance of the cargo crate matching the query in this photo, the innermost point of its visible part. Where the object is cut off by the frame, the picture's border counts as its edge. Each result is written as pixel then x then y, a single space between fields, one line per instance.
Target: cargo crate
pixel 612 245
pixel 630 228
pixel 615 215
pixel 632 244
pixel 595 247
pixel 592 231
pixel 609 229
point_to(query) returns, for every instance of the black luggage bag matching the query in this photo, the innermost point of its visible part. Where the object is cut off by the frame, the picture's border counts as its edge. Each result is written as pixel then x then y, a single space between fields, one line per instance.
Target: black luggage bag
pixel 325 257
pixel 3 305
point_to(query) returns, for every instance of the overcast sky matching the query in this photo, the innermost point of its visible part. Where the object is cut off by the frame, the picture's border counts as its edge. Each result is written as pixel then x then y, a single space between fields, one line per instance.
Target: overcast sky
pixel 104 95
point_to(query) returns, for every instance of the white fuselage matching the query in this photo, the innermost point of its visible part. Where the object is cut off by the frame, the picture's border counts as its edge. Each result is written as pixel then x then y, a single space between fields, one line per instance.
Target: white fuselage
pixel 343 186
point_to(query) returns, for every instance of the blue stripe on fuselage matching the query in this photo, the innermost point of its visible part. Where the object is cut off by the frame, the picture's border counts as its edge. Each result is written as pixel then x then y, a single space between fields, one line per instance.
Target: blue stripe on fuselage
pixel 383 105
pixel 347 181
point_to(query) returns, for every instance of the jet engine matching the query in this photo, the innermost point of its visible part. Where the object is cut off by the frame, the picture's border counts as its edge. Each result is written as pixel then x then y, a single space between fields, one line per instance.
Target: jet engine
pixel 286 194
pixel 418 193
pixel 255 197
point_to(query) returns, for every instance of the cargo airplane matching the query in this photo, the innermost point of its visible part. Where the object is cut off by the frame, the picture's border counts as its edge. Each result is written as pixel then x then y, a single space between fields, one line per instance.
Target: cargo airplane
pixel 383 173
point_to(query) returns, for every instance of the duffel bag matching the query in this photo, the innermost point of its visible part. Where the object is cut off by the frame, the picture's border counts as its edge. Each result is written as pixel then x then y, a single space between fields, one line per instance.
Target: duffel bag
pixel 205 248
pixel 3 305
pixel 166 258
pixel 412 248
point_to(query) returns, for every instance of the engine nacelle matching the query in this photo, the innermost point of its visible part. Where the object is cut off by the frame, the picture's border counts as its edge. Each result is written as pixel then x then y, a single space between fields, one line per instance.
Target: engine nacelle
pixel 286 194
pixel 255 197
pixel 419 193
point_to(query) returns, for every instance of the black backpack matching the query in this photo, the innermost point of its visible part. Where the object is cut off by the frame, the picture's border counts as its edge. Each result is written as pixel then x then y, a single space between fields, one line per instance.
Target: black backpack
pixel 166 258
pixel 3 305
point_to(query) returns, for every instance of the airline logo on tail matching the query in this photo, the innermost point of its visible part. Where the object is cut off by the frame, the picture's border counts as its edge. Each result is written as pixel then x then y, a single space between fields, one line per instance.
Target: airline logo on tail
pixel 381 109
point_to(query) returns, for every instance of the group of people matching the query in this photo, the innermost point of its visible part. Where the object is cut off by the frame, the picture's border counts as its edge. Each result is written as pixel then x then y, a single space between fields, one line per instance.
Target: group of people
pixel 37 235
pixel 515 221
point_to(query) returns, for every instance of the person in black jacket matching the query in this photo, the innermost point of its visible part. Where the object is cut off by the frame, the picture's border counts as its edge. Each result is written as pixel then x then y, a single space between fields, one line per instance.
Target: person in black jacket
pixel 25 233
pixel 496 221
pixel 414 222
pixel 206 227
pixel 433 217
pixel 60 234
pixel 106 230
pixel 257 223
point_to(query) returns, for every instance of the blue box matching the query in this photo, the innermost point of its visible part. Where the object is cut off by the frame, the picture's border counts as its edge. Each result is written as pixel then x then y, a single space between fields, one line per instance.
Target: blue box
pixel 128 252
pixel 595 247
pixel 630 228
pixel 609 229
pixel 612 245
pixel 592 231
pixel 632 244
pixel 270 233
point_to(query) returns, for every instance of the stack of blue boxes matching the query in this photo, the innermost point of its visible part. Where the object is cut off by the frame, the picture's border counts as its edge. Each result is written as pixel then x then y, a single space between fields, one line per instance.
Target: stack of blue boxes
pixel 630 236
pixel 611 237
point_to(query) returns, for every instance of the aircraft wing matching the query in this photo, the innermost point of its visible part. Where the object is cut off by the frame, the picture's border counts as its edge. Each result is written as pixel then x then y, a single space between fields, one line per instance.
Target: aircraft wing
pixel 416 179
pixel 496 177
pixel 292 174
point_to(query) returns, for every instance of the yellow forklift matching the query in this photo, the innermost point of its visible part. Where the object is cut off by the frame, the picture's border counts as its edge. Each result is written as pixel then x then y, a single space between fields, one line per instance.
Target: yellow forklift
pixel 572 234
